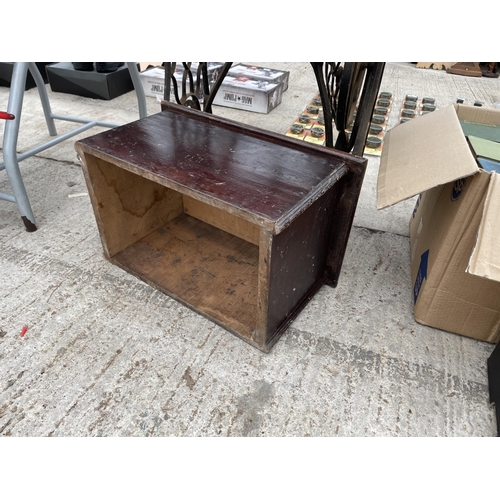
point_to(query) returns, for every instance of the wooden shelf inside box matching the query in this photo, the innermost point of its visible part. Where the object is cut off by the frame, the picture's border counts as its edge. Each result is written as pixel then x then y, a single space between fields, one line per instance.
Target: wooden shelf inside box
pixel 207 268
pixel 234 222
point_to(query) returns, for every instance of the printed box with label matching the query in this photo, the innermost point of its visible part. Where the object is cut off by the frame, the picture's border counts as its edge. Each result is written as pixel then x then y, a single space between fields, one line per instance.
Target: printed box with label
pixel 251 95
pixel 153 79
pixel 454 228
pixel 260 73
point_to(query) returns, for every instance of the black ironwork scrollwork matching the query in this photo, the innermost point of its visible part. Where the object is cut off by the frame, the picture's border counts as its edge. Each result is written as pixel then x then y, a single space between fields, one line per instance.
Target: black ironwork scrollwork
pixel 348 95
pixel 196 92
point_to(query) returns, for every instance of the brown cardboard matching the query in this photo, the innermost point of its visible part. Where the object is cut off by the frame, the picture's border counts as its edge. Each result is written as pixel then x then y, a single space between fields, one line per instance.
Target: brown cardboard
pixel 485 260
pixel 454 228
pixel 421 154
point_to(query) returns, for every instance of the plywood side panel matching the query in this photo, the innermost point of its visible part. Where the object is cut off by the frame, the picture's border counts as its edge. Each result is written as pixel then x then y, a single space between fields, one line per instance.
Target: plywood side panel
pixel 222 219
pixel 127 206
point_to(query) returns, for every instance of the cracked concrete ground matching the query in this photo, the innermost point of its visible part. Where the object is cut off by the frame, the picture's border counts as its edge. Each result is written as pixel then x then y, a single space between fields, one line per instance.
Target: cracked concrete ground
pixel 107 355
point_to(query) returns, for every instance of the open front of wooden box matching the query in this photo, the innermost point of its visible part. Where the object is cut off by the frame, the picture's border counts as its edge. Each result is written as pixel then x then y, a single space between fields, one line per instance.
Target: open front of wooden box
pixel 223 246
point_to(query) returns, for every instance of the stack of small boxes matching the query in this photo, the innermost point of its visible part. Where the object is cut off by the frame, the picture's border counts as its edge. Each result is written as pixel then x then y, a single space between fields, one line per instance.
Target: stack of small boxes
pixel 252 88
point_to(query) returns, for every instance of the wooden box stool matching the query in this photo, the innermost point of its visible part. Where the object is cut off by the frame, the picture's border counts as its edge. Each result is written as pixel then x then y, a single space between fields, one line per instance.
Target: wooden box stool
pixel 239 224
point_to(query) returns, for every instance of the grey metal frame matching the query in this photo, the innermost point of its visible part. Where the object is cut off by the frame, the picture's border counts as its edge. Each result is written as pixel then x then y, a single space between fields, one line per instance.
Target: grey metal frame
pixel 11 132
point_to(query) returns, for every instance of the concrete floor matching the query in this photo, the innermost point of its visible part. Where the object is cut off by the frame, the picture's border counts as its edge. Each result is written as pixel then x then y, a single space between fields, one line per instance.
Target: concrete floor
pixel 107 355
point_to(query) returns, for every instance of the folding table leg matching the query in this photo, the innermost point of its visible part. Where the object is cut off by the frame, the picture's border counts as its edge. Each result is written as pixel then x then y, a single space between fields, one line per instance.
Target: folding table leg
pixel 11 133
pixel 44 98
pixel 139 89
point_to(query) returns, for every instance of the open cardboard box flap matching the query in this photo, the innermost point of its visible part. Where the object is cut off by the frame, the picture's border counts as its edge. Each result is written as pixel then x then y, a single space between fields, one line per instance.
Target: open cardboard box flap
pixel 485 259
pixel 455 225
pixel 425 152
pixel 431 151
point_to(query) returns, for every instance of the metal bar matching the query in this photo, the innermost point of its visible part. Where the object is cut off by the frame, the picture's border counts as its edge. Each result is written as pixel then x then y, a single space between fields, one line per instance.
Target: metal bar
pixel 52 142
pixel 11 133
pixel 367 104
pixel 139 89
pixel 44 98
pixel 207 103
pixel 344 104
pixel 199 80
pixel 325 102
pixel 204 77
pixel 84 120
pixel 185 74
pixel 166 86
pixel 7 197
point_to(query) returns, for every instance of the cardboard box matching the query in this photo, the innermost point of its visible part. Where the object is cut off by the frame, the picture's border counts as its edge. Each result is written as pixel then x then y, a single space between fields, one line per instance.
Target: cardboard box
pixel 6 69
pixel 454 228
pixel 251 95
pixel 153 79
pixel 260 73
pixel 64 78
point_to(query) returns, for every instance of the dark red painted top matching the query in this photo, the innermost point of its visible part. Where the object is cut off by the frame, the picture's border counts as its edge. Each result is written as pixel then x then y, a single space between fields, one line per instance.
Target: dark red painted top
pixel 250 169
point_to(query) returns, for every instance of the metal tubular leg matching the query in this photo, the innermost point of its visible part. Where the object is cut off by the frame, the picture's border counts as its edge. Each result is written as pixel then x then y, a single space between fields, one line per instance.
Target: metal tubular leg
pixel 44 98
pixel 139 89
pixel 11 133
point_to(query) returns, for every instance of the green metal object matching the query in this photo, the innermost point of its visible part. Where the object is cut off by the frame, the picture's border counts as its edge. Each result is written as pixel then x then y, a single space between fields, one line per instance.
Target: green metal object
pixel 378 119
pixel 296 129
pixel 408 113
pixel 428 107
pixel 373 142
pixel 375 129
pixel 317 132
pixel 385 103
